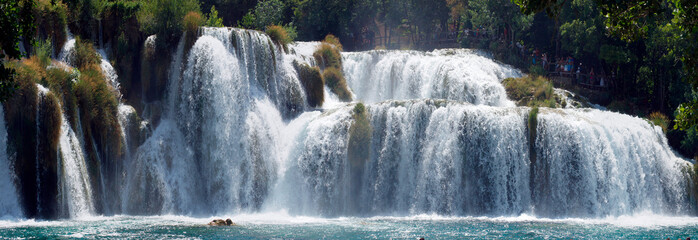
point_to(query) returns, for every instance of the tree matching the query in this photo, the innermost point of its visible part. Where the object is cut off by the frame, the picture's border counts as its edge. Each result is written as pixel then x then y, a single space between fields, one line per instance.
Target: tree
pixel 213 20
pixel 16 25
pixel 268 12
pixel 631 20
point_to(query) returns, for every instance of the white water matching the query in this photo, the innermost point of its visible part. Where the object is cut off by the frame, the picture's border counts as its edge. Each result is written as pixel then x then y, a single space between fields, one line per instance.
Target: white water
pixel 76 181
pixel 9 201
pixel 454 74
pixel 237 138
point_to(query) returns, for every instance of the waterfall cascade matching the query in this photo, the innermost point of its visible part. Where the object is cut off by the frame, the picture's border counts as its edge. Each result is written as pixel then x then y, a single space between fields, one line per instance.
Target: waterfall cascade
pixel 9 201
pixel 456 74
pixel 237 136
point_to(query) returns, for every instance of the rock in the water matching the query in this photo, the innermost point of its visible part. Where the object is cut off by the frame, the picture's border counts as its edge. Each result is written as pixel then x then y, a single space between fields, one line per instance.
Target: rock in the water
pixel 221 222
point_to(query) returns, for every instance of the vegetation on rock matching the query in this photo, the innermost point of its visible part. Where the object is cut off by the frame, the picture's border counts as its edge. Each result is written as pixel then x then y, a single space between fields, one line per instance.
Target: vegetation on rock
pixel 334 79
pixel 531 91
pixel 313 83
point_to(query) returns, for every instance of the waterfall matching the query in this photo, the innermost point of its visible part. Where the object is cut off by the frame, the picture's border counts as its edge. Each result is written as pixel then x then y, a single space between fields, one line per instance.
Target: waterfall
pixel 454 74
pixel 438 135
pixel 9 201
pixel 596 163
pixel 444 139
pixel 76 186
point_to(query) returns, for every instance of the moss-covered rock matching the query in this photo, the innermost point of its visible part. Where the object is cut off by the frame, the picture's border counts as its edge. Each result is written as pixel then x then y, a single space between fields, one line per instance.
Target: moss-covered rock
pixel 337 84
pixel 312 82
pixel 328 56
pixel 531 91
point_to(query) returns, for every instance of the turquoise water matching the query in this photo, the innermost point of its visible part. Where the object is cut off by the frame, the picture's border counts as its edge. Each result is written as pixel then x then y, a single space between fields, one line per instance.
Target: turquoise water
pixel 281 226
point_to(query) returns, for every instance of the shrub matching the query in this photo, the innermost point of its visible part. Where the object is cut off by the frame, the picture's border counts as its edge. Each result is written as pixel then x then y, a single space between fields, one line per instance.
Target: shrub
pixel 213 20
pixel 689 144
pixel 51 18
pixel 312 82
pixel 660 120
pixel 43 51
pixel 531 91
pixel 192 21
pixel 268 12
pixel 360 134
pixel 165 19
pixel 332 39
pixel 83 55
pixel 537 70
pixel 279 35
pixel 337 84
pixel 328 56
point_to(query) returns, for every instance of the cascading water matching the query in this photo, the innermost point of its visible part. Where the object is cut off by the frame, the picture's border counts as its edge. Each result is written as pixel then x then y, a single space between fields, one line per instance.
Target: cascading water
pixel 76 187
pixel 227 143
pixel 9 201
pixel 237 136
pixel 454 74
pixel 595 163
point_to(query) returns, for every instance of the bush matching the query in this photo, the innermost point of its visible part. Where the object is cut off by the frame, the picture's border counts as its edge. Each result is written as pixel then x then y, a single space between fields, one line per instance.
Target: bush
pixel 360 134
pixel 279 35
pixel 312 82
pixel 192 21
pixel 328 56
pixel 213 20
pixel 689 144
pixel 83 55
pixel 531 91
pixel 337 84
pixel 660 120
pixel 537 70
pixel 165 19
pixel 51 18
pixel 43 51
pixel 332 39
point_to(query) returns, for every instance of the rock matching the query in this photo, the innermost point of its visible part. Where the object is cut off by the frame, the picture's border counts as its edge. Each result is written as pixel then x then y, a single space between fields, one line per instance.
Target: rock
pixel 221 222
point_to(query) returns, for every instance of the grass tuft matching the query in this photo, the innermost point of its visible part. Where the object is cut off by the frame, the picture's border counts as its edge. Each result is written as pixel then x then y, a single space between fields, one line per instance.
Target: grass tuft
pixel 313 83
pixel 279 35
pixel 660 120
pixel 328 56
pixel 337 84
pixel 531 91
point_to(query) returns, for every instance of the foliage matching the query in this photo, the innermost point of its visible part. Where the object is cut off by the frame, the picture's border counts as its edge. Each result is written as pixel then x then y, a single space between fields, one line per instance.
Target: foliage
pixel 291 31
pixel 312 82
pixel 531 91
pixel 360 134
pixel 279 35
pixel 16 23
pixel 338 85
pixel 192 21
pixel 265 13
pixel 165 19
pixel 687 115
pixel 212 20
pixel 83 55
pixel 660 120
pixel 537 70
pixel 328 56
pixel 690 142
pixel 43 50
pixel 331 39
pixel 50 18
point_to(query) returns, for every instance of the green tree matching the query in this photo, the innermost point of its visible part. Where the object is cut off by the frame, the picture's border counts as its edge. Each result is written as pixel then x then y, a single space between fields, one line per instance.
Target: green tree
pixel 164 18
pixel 213 20
pixel 268 12
pixel 16 25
